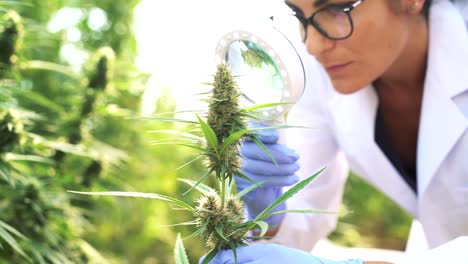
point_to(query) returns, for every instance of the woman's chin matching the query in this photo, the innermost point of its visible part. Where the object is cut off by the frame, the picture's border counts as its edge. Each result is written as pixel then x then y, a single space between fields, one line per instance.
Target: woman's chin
pixel 347 86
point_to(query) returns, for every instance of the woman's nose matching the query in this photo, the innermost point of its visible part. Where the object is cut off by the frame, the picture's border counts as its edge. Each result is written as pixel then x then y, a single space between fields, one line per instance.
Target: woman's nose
pixel 316 43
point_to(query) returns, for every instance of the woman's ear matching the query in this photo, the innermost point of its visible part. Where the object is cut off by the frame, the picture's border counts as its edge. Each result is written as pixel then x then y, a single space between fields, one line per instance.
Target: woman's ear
pixel 412 6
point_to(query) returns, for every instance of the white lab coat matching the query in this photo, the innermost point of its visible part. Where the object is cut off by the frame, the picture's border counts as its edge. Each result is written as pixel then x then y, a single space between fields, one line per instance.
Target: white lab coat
pixel 344 139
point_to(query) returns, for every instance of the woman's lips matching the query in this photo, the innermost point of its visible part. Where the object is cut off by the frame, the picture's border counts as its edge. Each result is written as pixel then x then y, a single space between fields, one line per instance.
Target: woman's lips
pixel 336 68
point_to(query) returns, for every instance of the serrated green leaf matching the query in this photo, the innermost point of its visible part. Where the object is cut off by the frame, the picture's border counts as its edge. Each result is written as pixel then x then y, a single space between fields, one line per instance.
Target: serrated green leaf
pixel 11 230
pixel 5 234
pixel 160 197
pixel 198 182
pixel 176 132
pixel 43 101
pixel 50 66
pixel 204 189
pixel 194 234
pixel 170 141
pixel 267 105
pixel 179 252
pixel 240 229
pixel 5 174
pixel 253 115
pixel 193 147
pixel 61 146
pixel 301 211
pixel 165 119
pixel 249 189
pixel 182 224
pixel 179 112
pixel 31 158
pixel 278 127
pixel 263 227
pixel 190 162
pixel 245 177
pixel 210 256
pixel 233 138
pixel 209 134
pixel 234 251
pixel 91 252
pixel 220 233
pixel 264 148
pixel 285 196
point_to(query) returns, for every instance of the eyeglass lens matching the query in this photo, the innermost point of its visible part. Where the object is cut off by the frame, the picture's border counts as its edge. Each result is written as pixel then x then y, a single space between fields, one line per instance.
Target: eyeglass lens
pixel 333 22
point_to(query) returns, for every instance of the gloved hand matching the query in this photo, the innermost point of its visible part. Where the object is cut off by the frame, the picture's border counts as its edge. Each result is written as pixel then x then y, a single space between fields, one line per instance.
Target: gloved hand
pixel 258 165
pixel 272 254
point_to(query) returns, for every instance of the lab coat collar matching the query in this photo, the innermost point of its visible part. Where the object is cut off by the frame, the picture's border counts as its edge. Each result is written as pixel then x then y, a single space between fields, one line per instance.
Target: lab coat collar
pixel 442 122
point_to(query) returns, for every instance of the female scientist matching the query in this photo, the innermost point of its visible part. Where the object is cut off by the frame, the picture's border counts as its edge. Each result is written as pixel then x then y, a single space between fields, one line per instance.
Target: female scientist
pixel 388 92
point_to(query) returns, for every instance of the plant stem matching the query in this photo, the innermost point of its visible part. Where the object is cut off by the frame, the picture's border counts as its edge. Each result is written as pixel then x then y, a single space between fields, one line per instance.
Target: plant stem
pixel 223 192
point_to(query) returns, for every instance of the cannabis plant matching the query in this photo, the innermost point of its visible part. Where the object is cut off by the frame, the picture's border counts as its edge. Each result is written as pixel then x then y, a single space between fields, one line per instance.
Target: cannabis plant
pixel 218 214
pixel 11 31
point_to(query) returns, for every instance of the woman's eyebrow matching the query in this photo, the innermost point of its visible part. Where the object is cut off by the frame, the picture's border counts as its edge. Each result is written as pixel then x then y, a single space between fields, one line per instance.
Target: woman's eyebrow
pixel 293 6
pixel 320 2
pixel 317 3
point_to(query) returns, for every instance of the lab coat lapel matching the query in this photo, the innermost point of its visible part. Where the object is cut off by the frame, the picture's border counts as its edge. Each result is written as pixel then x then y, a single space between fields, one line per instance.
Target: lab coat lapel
pixel 354 116
pixel 442 122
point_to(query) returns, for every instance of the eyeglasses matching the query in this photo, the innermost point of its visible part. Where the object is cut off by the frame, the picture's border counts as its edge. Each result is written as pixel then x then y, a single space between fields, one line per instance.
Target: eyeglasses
pixel 333 21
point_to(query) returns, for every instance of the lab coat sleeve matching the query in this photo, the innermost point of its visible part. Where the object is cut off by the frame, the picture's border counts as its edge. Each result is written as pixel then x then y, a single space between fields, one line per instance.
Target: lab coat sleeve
pixel 453 252
pixel 318 149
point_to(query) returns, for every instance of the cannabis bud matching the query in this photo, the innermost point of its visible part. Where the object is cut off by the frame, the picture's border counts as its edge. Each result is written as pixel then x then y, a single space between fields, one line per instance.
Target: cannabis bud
pixel 225 118
pixel 10 36
pixel 92 172
pixel 99 72
pixel 102 63
pixel 218 225
pixel 10 132
pixel 25 205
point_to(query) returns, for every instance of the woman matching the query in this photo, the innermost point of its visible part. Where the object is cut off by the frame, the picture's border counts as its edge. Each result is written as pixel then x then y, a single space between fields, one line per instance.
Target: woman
pixel 389 93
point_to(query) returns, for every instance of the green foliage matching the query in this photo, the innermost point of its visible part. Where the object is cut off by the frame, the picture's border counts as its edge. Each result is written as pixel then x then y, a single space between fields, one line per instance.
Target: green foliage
pixel 10 37
pixel 50 138
pixel 179 252
pixel 371 219
pixel 10 131
pixel 8 234
pixel 285 196
pixel 100 73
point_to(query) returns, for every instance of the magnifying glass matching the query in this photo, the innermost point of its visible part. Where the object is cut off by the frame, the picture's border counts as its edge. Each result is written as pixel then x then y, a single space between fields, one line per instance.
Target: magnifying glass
pixel 267 66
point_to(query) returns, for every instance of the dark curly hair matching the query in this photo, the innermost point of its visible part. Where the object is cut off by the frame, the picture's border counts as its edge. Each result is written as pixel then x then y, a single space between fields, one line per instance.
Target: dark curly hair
pixel 426 6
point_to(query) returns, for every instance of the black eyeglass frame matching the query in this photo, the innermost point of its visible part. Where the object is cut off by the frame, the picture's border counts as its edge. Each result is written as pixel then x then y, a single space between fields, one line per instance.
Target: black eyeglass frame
pixel 305 22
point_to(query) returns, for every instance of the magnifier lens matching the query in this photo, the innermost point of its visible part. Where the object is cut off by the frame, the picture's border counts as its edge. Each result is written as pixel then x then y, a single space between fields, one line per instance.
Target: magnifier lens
pixel 266 63
pixel 257 74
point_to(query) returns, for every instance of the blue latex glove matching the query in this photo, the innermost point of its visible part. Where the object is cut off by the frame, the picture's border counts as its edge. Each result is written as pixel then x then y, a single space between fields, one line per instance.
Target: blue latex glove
pixel 259 167
pixel 272 254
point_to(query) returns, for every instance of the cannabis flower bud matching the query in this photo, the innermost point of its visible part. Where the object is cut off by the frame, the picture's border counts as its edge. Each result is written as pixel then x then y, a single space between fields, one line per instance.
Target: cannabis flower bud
pixel 99 76
pixel 225 118
pixel 220 226
pixel 102 63
pixel 10 36
pixel 10 132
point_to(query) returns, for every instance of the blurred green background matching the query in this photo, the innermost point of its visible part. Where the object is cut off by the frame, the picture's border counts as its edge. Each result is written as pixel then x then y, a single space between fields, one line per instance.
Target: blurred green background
pixel 68 93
